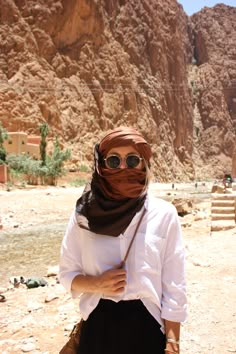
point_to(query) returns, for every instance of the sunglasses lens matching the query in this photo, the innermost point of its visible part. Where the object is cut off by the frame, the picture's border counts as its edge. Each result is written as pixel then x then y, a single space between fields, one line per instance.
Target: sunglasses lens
pixel 113 161
pixel 132 161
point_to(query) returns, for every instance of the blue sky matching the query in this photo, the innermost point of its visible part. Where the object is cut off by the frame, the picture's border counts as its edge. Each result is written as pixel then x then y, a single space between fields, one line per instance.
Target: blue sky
pixel 192 6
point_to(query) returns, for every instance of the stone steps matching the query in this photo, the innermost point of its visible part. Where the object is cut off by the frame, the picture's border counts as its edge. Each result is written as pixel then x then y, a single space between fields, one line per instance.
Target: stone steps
pixel 223 196
pixel 222 225
pixel 223 216
pixel 223 211
pixel 223 203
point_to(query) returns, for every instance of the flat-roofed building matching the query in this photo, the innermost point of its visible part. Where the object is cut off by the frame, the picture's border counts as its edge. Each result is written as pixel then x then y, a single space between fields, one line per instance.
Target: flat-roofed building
pixel 21 143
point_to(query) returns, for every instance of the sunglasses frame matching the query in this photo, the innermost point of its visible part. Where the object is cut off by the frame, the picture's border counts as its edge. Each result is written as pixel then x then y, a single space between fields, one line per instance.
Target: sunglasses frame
pixel 121 160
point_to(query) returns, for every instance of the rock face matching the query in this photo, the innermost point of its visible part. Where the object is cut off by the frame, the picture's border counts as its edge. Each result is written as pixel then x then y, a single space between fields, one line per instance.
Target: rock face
pixel 86 66
pixel 214 32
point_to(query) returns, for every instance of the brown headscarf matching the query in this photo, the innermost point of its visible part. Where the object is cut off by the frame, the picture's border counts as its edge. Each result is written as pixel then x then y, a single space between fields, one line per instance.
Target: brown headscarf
pixel 108 205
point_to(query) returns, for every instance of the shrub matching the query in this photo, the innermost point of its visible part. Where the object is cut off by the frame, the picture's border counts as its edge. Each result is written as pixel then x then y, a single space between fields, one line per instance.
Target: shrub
pixel 25 164
pixel 18 163
pixel 3 136
pixel 54 164
pixel 83 168
pixel 36 170
pixel 78 182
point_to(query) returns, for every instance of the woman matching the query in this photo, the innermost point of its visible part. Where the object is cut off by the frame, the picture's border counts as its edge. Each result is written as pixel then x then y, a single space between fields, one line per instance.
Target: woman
pixel 136 307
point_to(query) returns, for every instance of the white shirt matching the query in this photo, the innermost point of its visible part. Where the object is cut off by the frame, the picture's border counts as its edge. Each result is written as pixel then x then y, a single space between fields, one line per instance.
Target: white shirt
pixel 155 265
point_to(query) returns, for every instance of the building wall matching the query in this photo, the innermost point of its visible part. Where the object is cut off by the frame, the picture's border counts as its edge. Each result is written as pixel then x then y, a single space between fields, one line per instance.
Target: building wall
pixel 3 173
pixel 16 143
pixel 33 139
pixel 33 150
pixel 19 143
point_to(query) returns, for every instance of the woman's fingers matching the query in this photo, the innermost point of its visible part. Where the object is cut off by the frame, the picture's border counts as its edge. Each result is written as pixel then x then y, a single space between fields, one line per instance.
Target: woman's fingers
pixel 112 281
pixel 119 287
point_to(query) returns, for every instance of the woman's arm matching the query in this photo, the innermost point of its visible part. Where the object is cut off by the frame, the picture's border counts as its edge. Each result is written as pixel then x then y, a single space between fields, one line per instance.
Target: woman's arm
pixel 174 300
pixel 172 336
pixel 72 274
pixel 111 282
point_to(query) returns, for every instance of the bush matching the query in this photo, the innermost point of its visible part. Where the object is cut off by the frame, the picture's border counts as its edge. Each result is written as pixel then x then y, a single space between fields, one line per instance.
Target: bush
pixel 78 182
pixel 25 165
pixel 3 136
pixel 83 168
pixel 18 163
pixel 3 155
pixel 35 170
pixel 16 176
pixel 54 164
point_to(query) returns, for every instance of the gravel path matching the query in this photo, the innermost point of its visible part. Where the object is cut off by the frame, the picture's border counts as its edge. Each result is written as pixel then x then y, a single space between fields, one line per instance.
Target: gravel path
pixel 38 320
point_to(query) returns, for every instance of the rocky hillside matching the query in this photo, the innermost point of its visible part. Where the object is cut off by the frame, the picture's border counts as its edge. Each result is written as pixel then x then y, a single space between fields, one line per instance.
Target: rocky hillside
pixel 214 88
pixel 86 66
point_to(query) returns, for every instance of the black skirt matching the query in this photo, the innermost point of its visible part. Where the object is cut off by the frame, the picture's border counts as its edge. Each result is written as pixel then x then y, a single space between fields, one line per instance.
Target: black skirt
pixel 125 327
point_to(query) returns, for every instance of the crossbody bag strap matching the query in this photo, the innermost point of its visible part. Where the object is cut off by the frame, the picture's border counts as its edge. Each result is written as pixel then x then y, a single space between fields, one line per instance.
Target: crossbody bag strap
pixel 135 232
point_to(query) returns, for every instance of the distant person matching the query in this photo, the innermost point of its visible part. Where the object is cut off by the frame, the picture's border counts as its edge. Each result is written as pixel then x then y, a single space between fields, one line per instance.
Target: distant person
pixel 227 180
pixel 134 307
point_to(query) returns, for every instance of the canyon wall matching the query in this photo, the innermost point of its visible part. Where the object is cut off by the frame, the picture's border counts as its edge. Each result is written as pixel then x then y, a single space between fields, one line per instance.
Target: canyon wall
pixel 87 66
pixel 214 86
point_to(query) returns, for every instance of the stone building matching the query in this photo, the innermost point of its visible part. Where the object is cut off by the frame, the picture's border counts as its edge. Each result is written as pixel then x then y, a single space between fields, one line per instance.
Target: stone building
pixel 19 143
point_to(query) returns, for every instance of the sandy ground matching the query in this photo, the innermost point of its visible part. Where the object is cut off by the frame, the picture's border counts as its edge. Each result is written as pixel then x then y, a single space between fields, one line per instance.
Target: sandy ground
pixel 39 320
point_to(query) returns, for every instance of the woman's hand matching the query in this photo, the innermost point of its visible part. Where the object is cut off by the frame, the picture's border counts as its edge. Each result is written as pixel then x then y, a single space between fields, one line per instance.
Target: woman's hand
pixel 111 282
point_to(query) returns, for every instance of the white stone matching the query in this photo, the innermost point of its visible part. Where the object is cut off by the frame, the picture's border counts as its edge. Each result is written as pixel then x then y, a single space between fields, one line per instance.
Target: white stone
pixel 28 347
pixel 52 271
pixel 33 306
pixel 51 297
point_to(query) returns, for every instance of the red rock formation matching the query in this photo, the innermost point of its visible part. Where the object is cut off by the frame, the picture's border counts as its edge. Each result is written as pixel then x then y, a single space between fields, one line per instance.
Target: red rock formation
pixel 85 66
pixel 233 170
pixel 215 53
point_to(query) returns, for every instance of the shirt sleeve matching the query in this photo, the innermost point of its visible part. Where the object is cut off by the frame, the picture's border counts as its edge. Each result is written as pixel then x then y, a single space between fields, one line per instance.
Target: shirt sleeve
pixel 174 301
pixel 70 256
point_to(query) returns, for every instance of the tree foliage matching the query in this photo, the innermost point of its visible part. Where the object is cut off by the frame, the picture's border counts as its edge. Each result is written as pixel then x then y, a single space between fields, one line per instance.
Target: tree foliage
pixel 35 171
pixel 44 130
pixel 3 137
pixel 55 162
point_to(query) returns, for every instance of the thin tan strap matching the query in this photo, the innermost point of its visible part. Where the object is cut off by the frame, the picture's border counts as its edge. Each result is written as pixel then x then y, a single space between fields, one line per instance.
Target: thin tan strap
pixel 135 232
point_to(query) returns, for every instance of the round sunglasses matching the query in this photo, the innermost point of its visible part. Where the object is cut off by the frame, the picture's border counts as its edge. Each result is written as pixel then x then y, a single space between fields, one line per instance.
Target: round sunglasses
pixel 114 161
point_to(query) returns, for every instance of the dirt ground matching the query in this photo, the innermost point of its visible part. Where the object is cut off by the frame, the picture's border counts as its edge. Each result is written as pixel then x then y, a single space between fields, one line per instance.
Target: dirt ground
pixel 39 320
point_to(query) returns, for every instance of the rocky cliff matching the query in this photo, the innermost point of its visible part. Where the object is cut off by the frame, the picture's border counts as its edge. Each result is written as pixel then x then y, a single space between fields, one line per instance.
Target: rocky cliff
pixel 214 89
pixel 86 66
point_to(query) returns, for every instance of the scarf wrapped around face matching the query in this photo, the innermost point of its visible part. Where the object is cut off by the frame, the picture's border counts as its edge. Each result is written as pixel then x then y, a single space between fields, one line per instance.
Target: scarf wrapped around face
pixel 109 203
